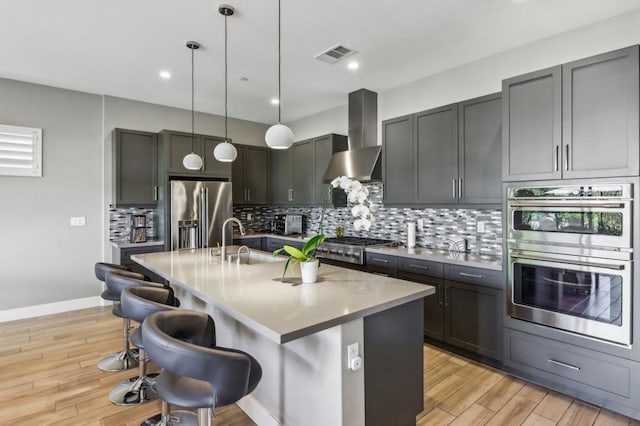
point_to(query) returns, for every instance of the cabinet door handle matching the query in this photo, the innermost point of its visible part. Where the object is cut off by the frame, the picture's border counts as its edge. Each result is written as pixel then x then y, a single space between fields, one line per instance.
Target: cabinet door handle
pixel 564 364
pixel 446 298
pixel 453 193
pixel 464 274
pixel 377 259
pixel 425 268
pixel 155 193
pixel 566 159
pixel 460 188
pixel 557 158
pixel 248 194
pixel 440 297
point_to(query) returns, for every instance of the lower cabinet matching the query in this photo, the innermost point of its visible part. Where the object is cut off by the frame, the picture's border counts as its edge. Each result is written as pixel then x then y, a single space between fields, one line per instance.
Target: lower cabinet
pixel 273 244
pixel 463 312
pixel 253 243
pixel 589 374
pixel 122 256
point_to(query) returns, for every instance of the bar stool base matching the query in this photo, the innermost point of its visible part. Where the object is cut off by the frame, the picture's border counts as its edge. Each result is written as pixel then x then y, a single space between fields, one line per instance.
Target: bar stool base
pixel 119 361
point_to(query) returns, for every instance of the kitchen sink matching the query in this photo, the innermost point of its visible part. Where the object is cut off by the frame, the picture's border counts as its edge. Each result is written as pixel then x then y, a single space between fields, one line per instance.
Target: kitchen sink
pixel 251 256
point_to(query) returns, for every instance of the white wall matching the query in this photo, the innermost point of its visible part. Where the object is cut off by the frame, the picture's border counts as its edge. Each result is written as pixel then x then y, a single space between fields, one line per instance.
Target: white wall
pixel 43 259
pixel 484 76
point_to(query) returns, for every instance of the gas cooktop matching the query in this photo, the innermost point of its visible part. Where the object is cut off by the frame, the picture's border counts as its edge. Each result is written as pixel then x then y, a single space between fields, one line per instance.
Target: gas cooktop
pixel 349 249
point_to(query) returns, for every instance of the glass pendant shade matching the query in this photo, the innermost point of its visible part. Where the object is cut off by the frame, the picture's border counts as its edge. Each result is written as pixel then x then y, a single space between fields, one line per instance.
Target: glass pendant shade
pixel 225 152
pixel 279 136
pixel 192 161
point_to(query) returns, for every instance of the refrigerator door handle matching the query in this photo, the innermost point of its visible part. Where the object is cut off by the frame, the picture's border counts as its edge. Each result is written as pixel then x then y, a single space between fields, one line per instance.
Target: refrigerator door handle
pixel 205 216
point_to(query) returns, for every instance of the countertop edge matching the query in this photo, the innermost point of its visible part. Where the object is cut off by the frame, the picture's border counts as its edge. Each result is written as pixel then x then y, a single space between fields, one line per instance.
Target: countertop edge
pixel 495 265
pixel 122 244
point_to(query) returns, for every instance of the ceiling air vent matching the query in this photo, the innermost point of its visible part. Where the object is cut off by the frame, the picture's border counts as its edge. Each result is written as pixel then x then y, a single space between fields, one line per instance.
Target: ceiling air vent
pixel 334 54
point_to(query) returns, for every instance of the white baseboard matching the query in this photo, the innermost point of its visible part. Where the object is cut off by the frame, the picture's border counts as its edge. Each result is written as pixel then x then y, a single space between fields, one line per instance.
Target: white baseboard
pixel 256 411
pixel 50 308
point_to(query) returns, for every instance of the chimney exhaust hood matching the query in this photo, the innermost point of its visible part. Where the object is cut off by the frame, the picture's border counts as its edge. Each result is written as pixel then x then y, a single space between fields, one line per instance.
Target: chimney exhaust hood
pixel 362 160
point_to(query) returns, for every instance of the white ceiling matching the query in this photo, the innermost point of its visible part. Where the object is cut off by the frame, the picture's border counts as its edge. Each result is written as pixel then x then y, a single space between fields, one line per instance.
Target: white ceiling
pixel 117 47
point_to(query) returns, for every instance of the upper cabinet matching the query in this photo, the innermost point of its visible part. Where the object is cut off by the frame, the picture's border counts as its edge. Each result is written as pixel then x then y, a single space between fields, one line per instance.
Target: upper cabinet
pixel 578 120
pixel 249 175
pixel 297 173
pixel 175 145
pixel 446 155
pixel 135 176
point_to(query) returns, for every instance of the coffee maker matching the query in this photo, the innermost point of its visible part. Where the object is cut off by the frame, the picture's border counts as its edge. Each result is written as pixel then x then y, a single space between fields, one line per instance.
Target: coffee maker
pixel 138 230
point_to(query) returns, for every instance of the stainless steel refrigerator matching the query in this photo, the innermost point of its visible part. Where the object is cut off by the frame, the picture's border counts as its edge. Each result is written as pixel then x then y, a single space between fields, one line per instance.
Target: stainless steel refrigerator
pixel 198 209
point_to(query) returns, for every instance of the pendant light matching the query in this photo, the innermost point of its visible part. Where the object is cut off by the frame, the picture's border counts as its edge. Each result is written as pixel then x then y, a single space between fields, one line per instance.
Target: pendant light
pixel 279 136
pixel 225 151
pixel 192 161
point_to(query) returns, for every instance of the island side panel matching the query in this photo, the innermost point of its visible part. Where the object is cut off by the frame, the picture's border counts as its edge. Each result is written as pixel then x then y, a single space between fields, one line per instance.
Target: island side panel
pixel 394 378
pixel 304 381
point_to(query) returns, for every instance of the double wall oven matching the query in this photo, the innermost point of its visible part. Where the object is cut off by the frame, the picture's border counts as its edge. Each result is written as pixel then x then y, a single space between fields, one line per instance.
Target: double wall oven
pixel 570 251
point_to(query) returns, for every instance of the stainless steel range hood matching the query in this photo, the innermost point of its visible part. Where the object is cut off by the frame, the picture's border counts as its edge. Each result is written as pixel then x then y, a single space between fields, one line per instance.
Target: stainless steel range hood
pixel 362 160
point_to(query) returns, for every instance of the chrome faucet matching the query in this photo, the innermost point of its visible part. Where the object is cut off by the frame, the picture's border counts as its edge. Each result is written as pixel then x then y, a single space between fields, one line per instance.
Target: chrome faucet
pixel 223 249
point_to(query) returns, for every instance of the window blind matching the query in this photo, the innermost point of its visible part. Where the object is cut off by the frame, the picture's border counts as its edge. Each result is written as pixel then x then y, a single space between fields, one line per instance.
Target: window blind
pixel 20 151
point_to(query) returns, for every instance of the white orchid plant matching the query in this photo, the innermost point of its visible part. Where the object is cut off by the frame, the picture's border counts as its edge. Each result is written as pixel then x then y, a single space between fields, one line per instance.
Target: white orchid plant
pixel 357 195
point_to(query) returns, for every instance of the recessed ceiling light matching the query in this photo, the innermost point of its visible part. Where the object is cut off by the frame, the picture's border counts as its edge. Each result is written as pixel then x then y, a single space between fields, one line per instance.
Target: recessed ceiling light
pixel 165 75
pixel 244 79
pixel 353 65
pixel 275 101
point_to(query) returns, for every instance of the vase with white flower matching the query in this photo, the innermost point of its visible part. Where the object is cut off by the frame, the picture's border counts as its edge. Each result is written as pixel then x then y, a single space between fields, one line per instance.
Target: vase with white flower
pixel 358 197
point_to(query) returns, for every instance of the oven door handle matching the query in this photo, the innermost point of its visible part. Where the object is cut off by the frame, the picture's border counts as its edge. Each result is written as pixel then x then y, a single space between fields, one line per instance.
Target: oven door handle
pixel 615 267
pixel 578 204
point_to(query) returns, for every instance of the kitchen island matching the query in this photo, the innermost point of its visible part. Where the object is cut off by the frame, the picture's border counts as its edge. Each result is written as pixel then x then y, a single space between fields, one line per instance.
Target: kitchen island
pixel 300 333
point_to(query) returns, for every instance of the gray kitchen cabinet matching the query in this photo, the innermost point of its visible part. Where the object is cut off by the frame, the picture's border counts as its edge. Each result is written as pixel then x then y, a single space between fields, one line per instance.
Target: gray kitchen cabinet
pixel 532 126
pixel 122 256
pixel 436 155
pixel 274 243
pixel 466 310
pixel 445 155
pixel 324 147
pixel 600 115
pixel 175 145
pixel 480 150
pixel 590 375
pixel 303 184
pixel 382 264
pixel 280 175
pixel 577 120
pixel 297 173
pixel 473 318
pixel 255 243
pixel 135 162
pixel 249 175
pixel 398 164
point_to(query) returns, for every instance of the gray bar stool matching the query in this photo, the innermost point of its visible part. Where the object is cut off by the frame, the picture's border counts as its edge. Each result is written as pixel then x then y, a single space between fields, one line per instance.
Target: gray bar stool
pixel 196 374
pixel 116 282
pixel 137 303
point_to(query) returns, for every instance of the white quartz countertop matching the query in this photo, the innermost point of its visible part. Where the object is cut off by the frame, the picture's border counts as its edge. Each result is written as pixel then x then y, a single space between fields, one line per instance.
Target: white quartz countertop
pixel 119 244
pixel 282 311
pixel 456 258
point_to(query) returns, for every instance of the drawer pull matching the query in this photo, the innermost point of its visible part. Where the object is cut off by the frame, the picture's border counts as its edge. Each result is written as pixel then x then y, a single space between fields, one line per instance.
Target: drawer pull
pixel 379 260
pixel 563 364
pixel 464 274
pixel 426 268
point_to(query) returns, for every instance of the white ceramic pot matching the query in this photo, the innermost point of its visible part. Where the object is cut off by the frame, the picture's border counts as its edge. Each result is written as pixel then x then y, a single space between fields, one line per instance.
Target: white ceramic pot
pixel 309 271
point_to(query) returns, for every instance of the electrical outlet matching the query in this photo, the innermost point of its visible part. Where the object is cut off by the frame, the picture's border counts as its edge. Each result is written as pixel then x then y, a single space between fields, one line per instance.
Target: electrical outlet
pixel 420 225
pixel 354 361
pixel 249 217
pixel 78 221
pixel 480 227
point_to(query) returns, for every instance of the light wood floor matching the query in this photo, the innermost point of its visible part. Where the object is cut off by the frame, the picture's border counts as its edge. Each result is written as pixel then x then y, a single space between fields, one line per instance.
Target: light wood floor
pixel 48 375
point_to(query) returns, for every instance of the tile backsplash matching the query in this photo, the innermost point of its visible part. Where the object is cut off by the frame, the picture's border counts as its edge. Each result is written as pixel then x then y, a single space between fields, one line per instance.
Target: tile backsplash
pixel 440 224
pixel 119 223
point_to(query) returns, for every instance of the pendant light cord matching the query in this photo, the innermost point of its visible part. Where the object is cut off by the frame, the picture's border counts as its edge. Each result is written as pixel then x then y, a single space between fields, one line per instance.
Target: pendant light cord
pixel 226 80
pixel 279 67
pixel 193 136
